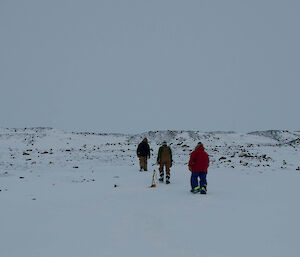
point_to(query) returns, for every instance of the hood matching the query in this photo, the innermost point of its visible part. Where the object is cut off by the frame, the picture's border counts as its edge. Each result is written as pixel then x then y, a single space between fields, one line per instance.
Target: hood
pixel 200 147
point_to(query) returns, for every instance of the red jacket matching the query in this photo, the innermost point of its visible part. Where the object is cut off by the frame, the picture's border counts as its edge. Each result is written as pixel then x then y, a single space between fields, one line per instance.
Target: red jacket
pixel 199 160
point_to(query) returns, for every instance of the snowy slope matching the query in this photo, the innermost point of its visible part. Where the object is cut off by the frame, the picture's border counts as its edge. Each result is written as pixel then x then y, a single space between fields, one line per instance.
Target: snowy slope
pixel 36 147
pixel 81 194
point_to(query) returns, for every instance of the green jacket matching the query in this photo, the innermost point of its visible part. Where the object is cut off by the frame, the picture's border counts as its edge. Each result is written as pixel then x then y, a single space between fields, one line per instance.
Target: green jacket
pixel 164 154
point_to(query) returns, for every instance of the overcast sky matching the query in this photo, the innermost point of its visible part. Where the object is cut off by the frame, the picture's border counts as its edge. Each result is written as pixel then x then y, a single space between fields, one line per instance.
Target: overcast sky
pixel 134 66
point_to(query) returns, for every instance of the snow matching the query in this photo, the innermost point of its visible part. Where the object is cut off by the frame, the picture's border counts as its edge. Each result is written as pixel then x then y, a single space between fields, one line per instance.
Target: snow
pixel 95 202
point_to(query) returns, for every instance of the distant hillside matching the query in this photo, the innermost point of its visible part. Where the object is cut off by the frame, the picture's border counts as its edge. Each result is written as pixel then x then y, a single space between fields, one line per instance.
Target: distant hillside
pixel 30 148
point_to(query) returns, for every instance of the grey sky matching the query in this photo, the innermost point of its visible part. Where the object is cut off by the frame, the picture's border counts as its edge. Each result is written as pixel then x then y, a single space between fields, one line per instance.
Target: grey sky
pixel 133 66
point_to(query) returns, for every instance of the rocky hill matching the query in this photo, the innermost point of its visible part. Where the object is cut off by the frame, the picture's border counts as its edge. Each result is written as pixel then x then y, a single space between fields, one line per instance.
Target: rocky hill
pixel 32 148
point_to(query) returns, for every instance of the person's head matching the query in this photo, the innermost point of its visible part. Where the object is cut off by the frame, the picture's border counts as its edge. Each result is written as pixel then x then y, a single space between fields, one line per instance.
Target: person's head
pixel 145 140
pixel 200 145
pixel 164 143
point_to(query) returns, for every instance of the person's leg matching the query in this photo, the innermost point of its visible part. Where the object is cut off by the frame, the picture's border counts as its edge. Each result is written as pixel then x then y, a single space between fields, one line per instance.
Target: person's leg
pixel 161 172
pixel 168 173
pixel 194 181
pixel 141 163
pixel 203 183
pixel 145 163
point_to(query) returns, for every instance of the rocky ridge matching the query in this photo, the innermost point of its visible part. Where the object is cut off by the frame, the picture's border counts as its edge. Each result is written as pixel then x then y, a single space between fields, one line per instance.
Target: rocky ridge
pixel 32 148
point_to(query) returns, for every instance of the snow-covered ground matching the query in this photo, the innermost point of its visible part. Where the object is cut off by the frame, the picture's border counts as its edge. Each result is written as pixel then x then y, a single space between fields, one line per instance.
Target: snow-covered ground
pixel 81 194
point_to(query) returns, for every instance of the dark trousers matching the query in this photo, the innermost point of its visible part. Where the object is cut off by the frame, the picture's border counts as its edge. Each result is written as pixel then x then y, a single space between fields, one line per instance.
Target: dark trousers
pixel 194 179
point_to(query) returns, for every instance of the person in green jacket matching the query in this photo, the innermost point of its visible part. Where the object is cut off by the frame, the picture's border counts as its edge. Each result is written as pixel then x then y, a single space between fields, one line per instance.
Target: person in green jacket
pixel 164 159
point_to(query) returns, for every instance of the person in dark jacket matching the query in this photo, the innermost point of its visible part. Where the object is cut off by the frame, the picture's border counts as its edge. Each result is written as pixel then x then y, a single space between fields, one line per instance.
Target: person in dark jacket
pixel 164 159
pixel 198 165
pixel 143 153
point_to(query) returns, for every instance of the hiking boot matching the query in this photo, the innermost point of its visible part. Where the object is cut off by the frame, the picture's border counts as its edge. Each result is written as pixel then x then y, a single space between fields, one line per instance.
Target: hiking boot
pixel 167 179
pixel 203 190
pixel 161 179
pixel 195 190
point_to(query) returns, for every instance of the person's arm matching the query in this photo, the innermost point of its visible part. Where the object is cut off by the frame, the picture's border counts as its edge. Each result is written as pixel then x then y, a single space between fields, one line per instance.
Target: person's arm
pixel 158 155
pixel 207 160
pixel 170 151
pixel 191 161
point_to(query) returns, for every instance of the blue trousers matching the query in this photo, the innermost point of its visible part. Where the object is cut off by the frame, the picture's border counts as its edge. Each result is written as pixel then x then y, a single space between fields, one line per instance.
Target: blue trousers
pixel 194 179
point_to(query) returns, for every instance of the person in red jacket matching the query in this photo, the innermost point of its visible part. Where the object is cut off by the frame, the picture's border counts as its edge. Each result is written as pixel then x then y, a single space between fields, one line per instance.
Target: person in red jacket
pixel 198 164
